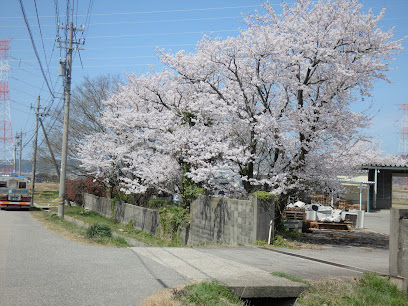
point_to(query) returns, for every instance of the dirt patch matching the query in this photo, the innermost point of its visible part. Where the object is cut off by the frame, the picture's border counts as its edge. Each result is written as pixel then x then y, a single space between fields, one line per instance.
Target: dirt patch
pixel 359 238
pixel 46 186
pixel 162 297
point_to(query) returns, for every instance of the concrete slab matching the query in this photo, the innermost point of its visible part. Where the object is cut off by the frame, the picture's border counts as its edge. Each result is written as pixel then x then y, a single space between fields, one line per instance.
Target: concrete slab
pixel 378 221
pixel 243 280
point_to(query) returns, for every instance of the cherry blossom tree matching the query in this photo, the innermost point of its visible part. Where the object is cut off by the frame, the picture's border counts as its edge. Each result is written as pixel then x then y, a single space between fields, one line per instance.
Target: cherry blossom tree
pixel 284 88
pixel 269 109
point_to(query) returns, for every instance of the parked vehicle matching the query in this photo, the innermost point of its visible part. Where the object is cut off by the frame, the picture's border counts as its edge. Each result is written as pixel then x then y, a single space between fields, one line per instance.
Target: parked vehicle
pixel 14 192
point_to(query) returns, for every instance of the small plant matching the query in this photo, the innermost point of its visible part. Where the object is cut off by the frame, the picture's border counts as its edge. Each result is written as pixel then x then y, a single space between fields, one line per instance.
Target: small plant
pixel 264 196
pixel 282 242
pixel 190 189
pixel 172 218
pixel 158 203
pixel 113 203
pixel 261 243
pixel 98 230
pixel 369 290
pixel 130 226
pixel 206 293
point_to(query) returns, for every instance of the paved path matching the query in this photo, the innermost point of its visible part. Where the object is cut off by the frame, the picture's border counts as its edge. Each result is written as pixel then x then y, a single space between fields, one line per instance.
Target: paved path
pixel 38 267
pixel 378 221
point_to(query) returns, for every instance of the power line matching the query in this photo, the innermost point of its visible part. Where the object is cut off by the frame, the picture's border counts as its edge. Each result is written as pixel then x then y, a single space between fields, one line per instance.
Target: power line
pixel 149 34
pixel 14 78
pixel 100 66
pixel 21 68
pixel 35 49
pixel 146 21
pixel 19 110
pixel 128 47
pixel 156 12
pixel 397 5
pixel 107 58
pixel 42 41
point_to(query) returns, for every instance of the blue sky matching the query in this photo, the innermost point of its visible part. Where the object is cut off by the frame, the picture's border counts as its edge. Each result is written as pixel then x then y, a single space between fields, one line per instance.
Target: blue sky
pixel 121 36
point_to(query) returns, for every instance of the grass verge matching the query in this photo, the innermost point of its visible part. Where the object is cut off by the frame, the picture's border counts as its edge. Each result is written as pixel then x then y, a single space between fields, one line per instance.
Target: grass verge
pixel 368 290
pixel 126 230
pixel 205 293
pixel 282 242
pixel 46 194
pixel 75 233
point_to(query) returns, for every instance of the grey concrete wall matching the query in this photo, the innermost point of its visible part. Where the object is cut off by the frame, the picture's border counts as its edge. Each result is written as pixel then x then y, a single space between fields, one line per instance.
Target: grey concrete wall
pixel 100 205
pixel 399 243
pixel 219 219
pixel 212 219
pixel 143 219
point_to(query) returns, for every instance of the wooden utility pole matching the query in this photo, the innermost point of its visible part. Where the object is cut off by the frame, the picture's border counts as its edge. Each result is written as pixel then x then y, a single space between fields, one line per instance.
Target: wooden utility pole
pixel 67 98
pixel 37 114
pixel 19 156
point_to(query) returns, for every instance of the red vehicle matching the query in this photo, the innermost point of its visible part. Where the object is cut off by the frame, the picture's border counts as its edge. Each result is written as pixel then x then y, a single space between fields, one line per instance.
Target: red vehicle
pixel 14 192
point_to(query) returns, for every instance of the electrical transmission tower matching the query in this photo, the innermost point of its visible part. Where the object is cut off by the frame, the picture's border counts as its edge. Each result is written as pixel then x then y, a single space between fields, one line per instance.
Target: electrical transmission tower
pixel 403 145
pixel 6 133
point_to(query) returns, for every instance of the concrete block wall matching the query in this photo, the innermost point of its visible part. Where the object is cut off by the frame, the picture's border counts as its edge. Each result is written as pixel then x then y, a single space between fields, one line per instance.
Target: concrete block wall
pixel 219 219
pixel 212 219
pixel 100 205
pixel 399 244
pixel 143 219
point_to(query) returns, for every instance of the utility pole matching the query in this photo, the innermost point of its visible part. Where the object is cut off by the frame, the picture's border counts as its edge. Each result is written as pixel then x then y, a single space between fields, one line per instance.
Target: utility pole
pixel 37 114
pixel 15 155
pixel 67 98
pixel 18 138
pixel 50 149
pixel 19 156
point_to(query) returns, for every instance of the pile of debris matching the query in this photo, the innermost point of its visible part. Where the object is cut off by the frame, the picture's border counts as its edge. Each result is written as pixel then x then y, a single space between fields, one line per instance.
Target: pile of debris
pixel 301 216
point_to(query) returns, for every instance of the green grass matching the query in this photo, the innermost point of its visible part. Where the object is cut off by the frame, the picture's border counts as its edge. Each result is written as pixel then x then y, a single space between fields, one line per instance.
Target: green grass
pixel 44 197
pixel 76 233
pixel 98 230
pixel 206 293
pixel 279 242
pixel 369 290
pixel 128 230
pixel 292 278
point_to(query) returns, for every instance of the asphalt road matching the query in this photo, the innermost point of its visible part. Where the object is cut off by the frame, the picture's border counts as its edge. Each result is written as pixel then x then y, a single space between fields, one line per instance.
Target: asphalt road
pixel 38 267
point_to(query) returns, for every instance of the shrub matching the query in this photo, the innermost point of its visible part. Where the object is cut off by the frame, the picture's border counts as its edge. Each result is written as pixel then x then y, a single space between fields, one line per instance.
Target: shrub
pixel 158 203
pixel 264 196
pixel 206 293
pixel 76 188
pixel 98 230
pixel 172 218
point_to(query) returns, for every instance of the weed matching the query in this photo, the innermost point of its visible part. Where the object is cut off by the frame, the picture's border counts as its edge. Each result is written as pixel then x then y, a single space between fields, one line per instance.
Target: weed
pixel 158 203
pixel 99 230
pixel 261 243
pixel 369 290
pixel 171 220
pixel 206 293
